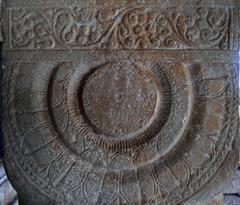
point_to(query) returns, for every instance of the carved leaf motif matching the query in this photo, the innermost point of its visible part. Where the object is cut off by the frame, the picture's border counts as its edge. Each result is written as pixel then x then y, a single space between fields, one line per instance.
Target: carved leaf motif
pixel 116 28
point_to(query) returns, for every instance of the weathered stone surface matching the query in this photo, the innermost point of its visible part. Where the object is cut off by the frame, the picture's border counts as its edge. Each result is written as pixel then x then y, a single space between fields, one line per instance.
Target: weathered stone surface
pixel 121 28
pixel 120 103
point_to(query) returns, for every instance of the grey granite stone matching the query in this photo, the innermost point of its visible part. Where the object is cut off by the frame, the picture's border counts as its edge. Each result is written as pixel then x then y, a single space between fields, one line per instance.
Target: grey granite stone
pixel 120 102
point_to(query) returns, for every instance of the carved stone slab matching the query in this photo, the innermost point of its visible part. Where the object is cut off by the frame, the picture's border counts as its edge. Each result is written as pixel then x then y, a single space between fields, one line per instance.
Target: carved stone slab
pixel 120 102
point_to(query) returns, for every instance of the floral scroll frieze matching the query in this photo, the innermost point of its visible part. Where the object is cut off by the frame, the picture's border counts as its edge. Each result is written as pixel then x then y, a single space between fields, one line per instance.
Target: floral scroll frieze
pixel 120 28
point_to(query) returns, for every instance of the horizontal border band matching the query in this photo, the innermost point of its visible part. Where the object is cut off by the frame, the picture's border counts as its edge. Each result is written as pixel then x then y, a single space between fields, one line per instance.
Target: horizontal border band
pixel 93 55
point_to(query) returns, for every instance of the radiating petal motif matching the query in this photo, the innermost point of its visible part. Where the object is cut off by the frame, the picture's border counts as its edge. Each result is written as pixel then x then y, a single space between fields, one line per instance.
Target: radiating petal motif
pixel 62 172
pixel 202 152
pixel 25 111
pixel 130 188
pixel 121 161
pixel 95 156
pixel 146 184
pixel 191 129
pixel 109 189
pixel 38 141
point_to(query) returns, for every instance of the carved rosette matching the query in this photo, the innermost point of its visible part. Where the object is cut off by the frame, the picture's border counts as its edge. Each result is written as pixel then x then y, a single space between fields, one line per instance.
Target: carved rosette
pixel 122 132
pixel 120 28
pixel 125 128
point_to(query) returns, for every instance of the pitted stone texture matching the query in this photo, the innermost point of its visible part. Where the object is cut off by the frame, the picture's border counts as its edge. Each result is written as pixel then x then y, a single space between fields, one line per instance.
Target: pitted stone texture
pixel 126 107
pixel 130 104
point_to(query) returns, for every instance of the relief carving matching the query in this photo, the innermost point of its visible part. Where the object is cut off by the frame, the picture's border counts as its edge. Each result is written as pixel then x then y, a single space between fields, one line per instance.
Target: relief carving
pixel 126 28
pixel 124 104
pixel 69 148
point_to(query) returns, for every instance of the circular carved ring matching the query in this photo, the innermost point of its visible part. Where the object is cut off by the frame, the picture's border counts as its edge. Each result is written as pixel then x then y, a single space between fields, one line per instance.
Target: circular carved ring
pixel 118 105
pixel 64 142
